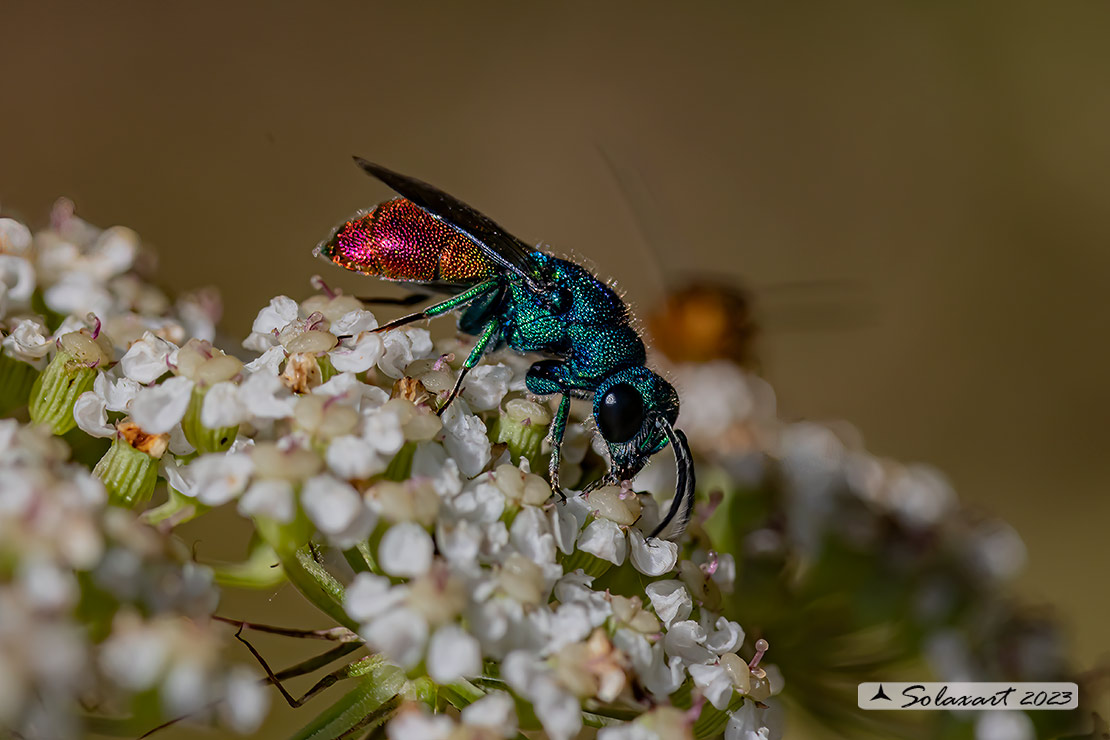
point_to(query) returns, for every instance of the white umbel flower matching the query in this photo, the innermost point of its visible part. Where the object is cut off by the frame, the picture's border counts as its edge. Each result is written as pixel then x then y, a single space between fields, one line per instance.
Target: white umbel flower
pixel 453 653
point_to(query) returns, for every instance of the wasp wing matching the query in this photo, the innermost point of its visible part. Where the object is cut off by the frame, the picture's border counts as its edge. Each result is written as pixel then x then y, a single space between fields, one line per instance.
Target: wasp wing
pixel 502 247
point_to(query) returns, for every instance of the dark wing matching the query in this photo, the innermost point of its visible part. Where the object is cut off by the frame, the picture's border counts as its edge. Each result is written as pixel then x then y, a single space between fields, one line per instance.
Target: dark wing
pixel 501 246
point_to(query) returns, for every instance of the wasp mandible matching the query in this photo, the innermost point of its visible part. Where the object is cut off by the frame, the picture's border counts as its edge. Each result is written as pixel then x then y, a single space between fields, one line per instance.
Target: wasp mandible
pixel 511 294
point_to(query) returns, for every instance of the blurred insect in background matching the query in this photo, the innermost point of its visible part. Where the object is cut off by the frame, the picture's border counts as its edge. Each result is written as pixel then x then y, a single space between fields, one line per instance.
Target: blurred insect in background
pixel 511 294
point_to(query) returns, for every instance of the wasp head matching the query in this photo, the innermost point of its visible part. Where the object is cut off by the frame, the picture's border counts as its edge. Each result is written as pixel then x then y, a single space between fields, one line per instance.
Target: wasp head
pixel 630 408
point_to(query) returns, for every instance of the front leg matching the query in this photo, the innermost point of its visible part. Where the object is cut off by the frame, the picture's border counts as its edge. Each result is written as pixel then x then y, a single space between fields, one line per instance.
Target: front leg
pixel 558 428
pixel 545 378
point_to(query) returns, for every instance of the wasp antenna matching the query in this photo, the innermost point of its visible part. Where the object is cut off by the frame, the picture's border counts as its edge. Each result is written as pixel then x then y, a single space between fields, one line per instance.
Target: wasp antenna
pixel 678 516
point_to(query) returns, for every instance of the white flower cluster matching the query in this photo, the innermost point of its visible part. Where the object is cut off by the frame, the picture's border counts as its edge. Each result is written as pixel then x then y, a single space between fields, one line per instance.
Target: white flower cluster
pixel 820 464
pixel 63 552
pixel 826 487
pixel 458 564
pixel 62 274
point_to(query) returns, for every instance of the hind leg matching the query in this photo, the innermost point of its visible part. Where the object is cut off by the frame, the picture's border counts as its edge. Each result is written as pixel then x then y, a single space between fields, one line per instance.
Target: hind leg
pixel 488 333
pixel 451 304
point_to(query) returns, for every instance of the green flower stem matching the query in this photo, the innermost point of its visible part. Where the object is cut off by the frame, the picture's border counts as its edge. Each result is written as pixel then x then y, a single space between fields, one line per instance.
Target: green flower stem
pixel 128 474
pixel 113 726
pixel 711 722
pixel 591 565
pixel 461 694
pixel 425 691
pixel 285 537
pixel 56 389
pixel 261 569
pixel 200 436
pixel 370 704
pixel 327 370
pixel 16 380
pixel 400 467
pixel 177 509
pixel 683 696
pixel 38 305
pixel 316 584
pixel 361 559
pixel 606 716
pixel 85 449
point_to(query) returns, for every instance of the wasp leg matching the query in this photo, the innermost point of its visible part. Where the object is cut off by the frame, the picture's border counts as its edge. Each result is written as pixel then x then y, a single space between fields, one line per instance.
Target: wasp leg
pixel 545 378
pixel 488 333
pixel 555 435
pixel 452 303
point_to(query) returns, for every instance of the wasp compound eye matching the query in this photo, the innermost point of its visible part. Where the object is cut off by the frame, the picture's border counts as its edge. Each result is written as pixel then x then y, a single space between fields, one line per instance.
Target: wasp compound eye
pixel 621 414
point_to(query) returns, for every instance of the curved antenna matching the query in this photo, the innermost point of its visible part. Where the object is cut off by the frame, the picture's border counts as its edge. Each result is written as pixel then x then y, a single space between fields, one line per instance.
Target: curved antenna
pixel 683 502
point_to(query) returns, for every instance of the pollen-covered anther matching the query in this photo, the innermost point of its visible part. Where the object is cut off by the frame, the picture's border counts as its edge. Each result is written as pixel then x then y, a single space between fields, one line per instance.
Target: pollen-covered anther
pixel 154 445
pixel 411 389
pixel 302 372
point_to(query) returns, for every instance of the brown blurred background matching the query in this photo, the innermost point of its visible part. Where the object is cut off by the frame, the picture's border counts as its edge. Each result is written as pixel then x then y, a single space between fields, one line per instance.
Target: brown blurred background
pixel 950 162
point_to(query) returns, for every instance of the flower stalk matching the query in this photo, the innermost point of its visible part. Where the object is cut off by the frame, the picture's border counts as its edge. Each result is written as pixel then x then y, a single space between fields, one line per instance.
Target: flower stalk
pixel 16 380
pixel 204 439
pixel 372 702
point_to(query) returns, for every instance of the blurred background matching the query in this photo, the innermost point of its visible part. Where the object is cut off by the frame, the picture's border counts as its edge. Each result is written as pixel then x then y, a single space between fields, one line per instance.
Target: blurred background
pixel 945 167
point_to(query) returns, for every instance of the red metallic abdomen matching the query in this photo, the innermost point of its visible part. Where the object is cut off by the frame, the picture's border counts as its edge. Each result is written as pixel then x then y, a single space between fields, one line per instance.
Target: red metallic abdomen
pixel 398 240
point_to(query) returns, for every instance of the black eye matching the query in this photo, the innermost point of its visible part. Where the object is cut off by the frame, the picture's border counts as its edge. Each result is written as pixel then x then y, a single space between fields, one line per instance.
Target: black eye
pixel 621 413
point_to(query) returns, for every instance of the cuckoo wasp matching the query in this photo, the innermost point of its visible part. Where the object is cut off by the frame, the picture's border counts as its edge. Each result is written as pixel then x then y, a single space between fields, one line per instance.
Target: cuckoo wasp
pixel 511 294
